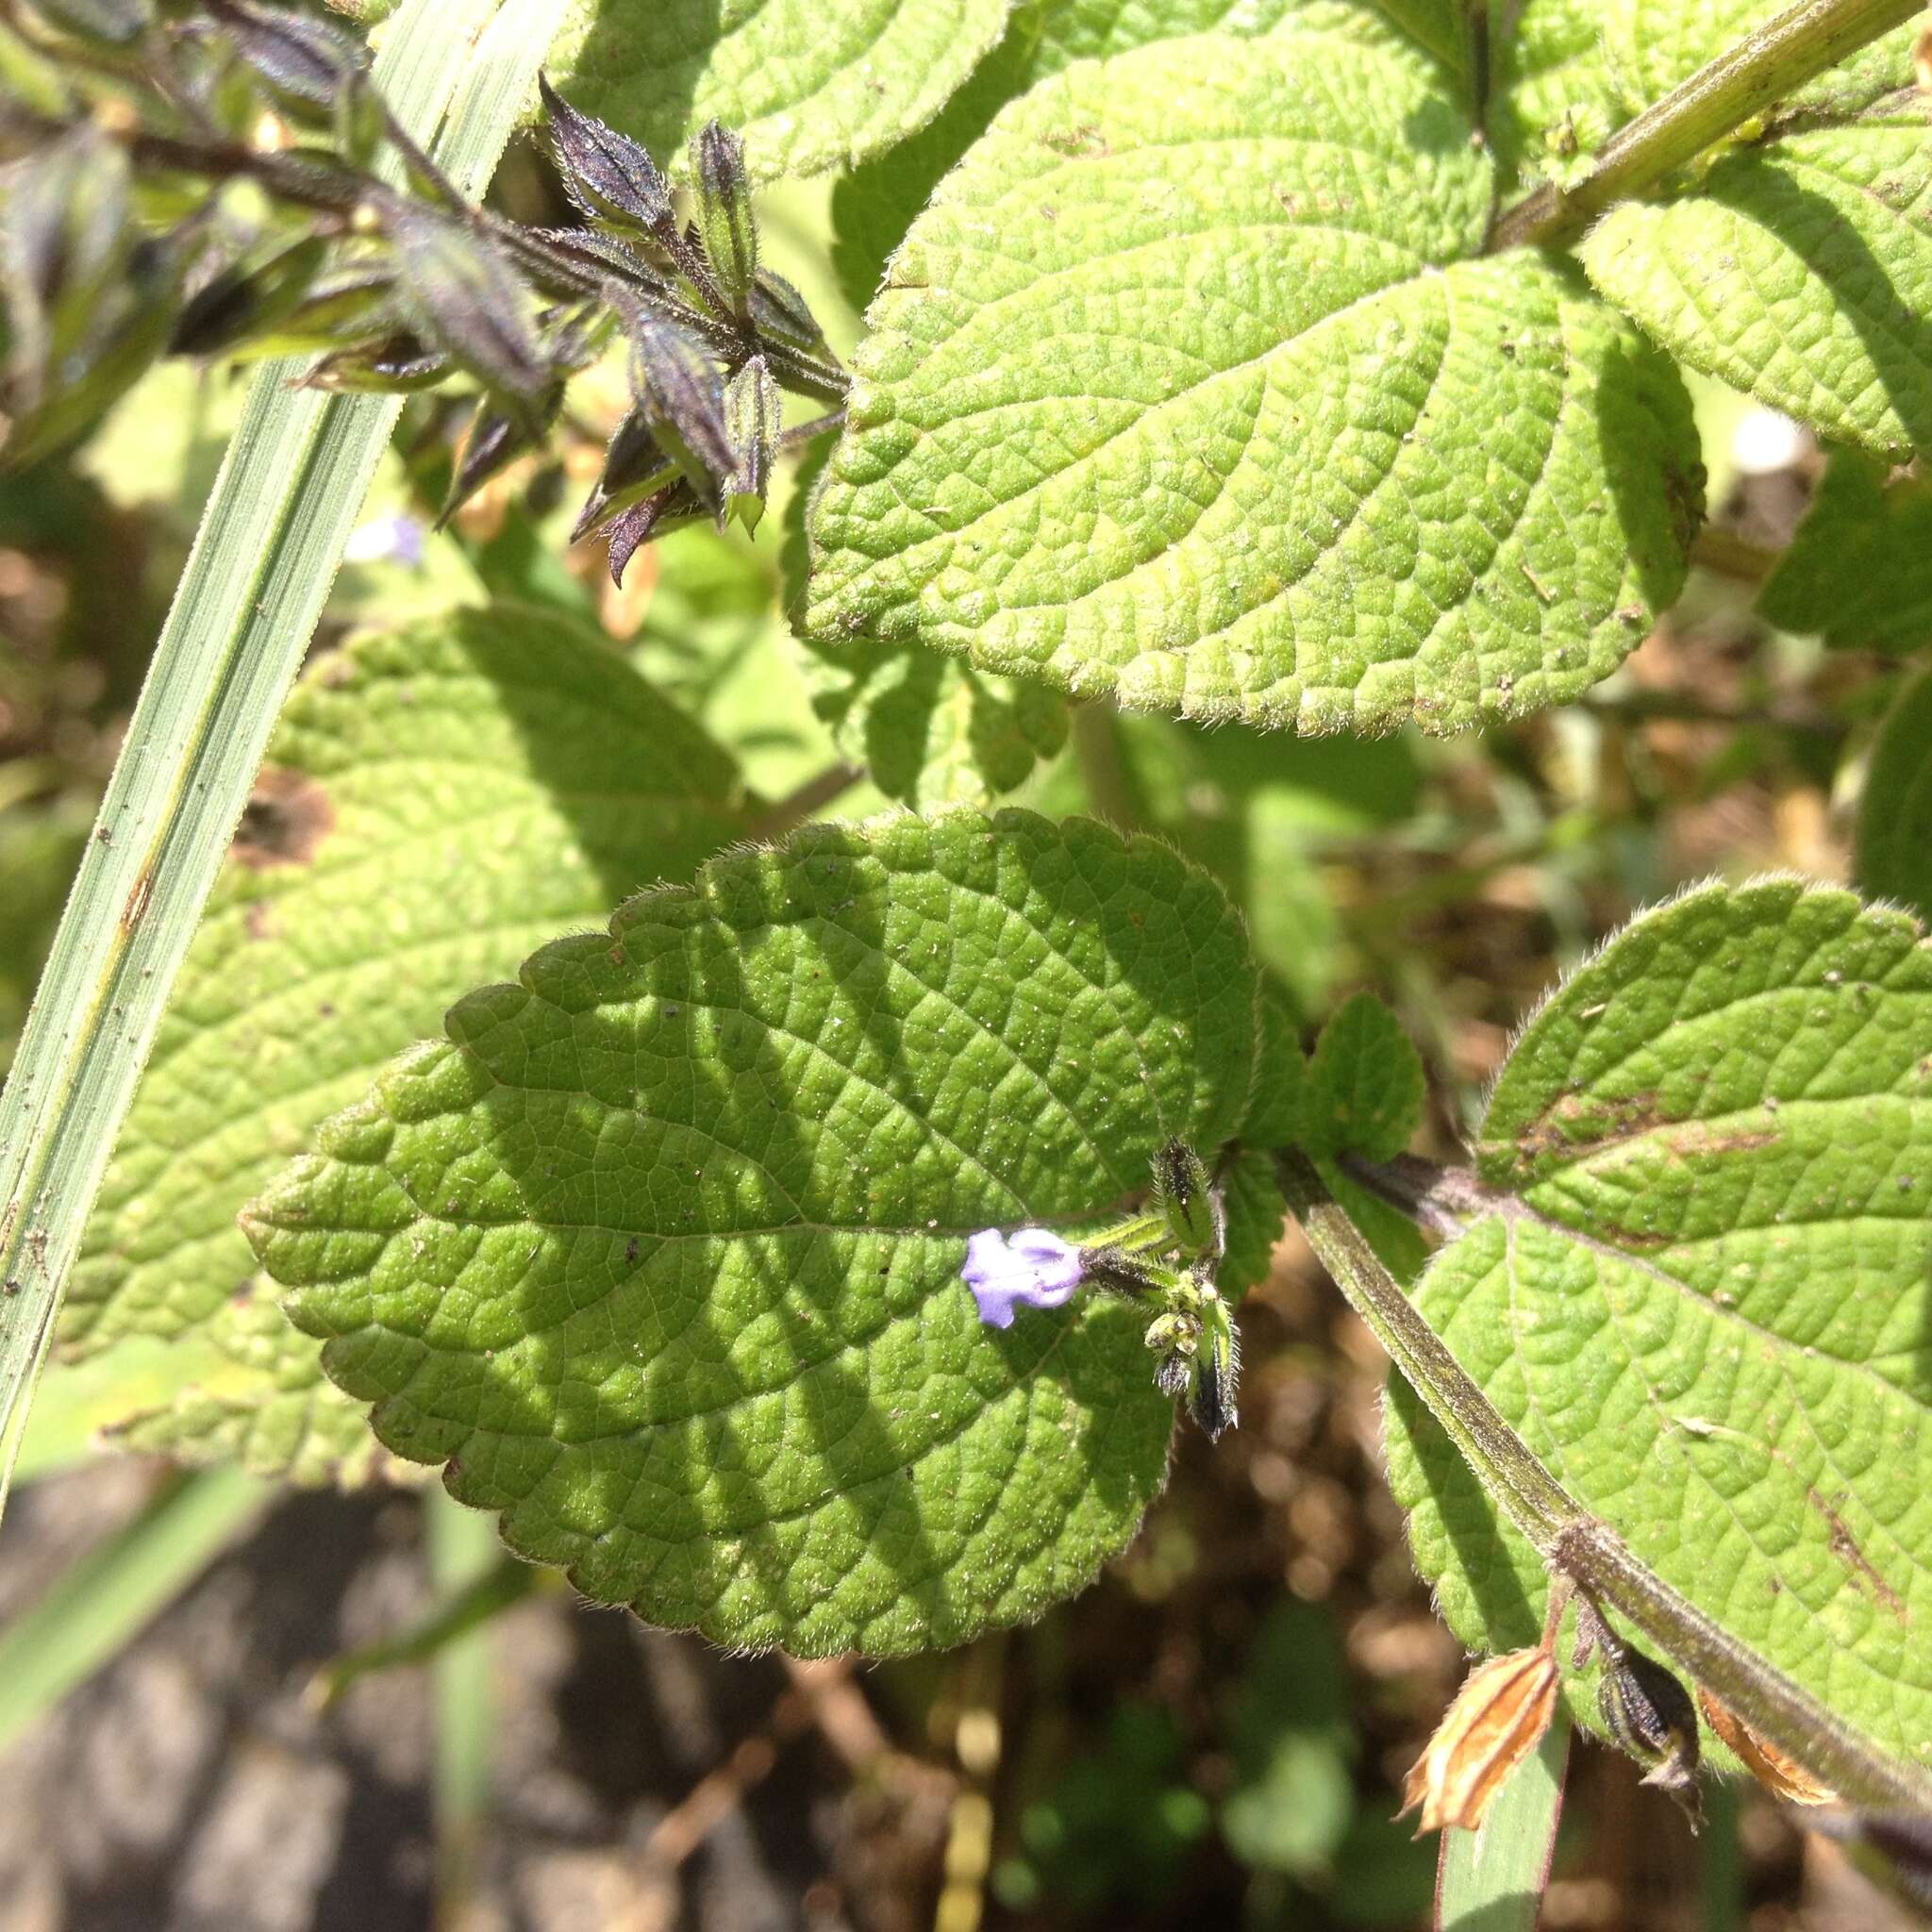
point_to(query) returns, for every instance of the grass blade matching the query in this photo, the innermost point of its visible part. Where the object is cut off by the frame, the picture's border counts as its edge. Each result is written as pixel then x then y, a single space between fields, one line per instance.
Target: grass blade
pixel 102 1600
pixel 271 539
pixel 1492 1880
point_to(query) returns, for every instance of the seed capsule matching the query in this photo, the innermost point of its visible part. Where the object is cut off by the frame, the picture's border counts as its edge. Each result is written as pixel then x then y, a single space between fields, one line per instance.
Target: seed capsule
pixel 1649 1713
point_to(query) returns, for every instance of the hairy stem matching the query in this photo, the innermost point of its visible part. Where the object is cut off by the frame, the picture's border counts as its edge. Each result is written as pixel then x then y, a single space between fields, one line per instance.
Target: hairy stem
pixel 1573 1542
pixel 1763 67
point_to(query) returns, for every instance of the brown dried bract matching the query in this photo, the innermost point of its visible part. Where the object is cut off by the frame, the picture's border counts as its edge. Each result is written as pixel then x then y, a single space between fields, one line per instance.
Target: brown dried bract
pixel 1497 1719
pixel 1776 1773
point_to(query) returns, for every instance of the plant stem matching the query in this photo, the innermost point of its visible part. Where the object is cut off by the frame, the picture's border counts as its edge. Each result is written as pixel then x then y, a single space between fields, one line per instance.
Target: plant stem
pixel 1763 67
pixel 1570 1540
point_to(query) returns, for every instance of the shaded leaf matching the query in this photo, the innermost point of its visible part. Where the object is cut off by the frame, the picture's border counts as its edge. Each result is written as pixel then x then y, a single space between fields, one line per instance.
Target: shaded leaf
pixel 1894 856
pixel 1859 569
pixel 1365 1085
pixel 437 800
pixel 660 1253
pixel 1800 272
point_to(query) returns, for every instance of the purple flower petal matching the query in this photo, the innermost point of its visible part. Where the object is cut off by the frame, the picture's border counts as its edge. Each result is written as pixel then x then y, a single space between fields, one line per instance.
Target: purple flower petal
pixel 1033 1267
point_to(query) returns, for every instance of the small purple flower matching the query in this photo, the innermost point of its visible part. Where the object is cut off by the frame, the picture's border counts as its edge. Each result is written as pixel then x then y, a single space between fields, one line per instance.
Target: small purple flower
pixel 1032 1266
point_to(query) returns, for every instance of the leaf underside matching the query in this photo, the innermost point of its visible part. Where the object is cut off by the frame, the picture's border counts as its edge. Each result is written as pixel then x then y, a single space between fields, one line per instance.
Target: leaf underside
pixel 1800 272
pixel 1705 1292
pixel 1859 569
pixel 1179 393
pixel 438 800
pixel 660 1253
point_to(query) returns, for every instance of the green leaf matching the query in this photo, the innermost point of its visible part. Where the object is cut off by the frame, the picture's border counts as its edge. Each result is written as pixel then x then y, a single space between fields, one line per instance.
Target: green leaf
pixel 1553 93
pixel 1703 1288
pixel 1167 399
pixel 1277 1110
pixel 436 801
pixel 1366 1085
pixel 1859 569
pixel 1492 1879
pixel 1256 1213
pixel 874 204
pixel 1895 809
pixel 1568 72
pixel 929 731
pixel 809 86
pixel 660 1254
pixel 1801 272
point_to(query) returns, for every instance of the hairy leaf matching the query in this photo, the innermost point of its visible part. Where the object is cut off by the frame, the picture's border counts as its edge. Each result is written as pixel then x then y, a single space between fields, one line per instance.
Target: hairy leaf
pixel 809 86
pixel 436 801
pixel 1256 1213
pixel 1895 809
pixel 874 204
pixel 660 1253
pixel 1179 393
pixel 1703 1286
pixel 1365 1085
pixel 1801 272
pixel 1859 569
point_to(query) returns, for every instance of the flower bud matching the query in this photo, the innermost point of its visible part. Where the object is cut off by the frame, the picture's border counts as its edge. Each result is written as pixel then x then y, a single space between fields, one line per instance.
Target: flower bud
pixel 668 510
pixel 780 312
pixel 66 237
pixel 1782 1776
pixel 1185 1197
pixel 496 440
pixel 398 365
pixel 635 466
pixel 301 58
pixel 678 388
pixel 1649 1714
pixel 1496 1721
pixel 606 172
pixel 112 23
pixel 751 420
pixel 725 225
pixel 244 303
pixel 464 294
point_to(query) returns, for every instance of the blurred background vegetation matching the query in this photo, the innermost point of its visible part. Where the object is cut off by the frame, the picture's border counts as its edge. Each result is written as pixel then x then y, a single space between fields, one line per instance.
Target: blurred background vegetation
pixel 226 1706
